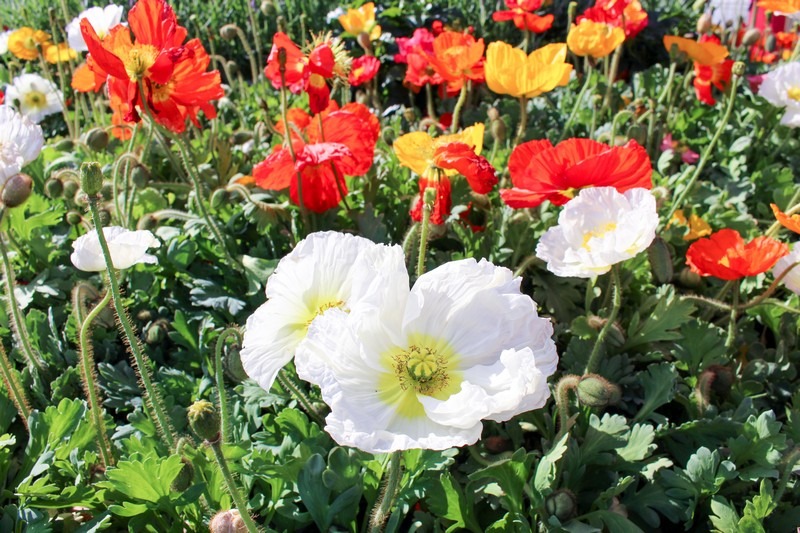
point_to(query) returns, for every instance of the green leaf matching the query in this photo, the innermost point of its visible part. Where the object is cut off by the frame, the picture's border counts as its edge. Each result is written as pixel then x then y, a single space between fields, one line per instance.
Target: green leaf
pixel 604 434
pixel 723 515
pixel 613 522
pixel 447 500
pixel 708 472
pixel 659 388
pixel 511 474
pixel 640 443
pixel 207 293
pixel 546 468
pixel 762 505
pixel 665 311
pixel 702 345
pixel 148 480
pixel 128 509
pixel 257 270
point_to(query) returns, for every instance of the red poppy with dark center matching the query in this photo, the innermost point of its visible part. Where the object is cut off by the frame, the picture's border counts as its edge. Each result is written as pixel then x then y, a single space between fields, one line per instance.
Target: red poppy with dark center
pixel 725 255
pixel 172 74
pixel 540 171
pixel 338 143
pixel 300 72
pixel 522 13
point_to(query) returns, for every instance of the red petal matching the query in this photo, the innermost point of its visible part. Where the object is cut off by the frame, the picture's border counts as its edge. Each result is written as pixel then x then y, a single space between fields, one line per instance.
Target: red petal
pixel 442 202
pixel 321 153
pixel 103 57
pixel 321 61
pixel 295 62
pixel 153 22
pixel 276 172
pixel 320 191
pixel 460 157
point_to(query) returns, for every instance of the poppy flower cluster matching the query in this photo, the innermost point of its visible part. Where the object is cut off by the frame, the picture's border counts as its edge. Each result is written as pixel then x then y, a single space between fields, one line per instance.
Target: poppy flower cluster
pixel 626 14
pixel 457 57
pixel 156 68
pixel 711 68
pixel 340 143
pixel 522 12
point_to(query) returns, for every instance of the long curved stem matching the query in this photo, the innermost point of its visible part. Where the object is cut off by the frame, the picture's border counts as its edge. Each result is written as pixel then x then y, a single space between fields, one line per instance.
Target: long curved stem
pixel 616 288
pixel 141 363
pixel 294 389
pixel 238 499
pixel 462 97
pixel 14 387
pixel 224 408
pixel 427 207
pixel 383 506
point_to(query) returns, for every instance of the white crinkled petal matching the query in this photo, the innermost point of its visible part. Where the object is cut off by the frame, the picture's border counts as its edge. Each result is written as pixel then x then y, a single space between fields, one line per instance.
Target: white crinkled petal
pixel 21 141
pixel 102 20
pixel 127 248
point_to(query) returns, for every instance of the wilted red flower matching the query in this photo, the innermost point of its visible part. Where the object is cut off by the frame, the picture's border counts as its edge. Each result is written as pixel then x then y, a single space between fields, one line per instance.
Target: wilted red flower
pixel 522 13
pixel 172 73
pixel 363 70
pixel 342 145
pixel 457 57
pixel 540 171
pixel 725 255
pixel 626 14
pixel 302 72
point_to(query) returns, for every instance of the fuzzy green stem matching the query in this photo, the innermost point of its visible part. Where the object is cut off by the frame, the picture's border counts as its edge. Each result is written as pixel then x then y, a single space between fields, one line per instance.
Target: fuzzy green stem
pixel 141 363
pixel 565 384
pixel 238 499
pixel 668 85
pixel 294 389
pixel 17 320
pixel 792 458
pixel 89 383
pixel 732 320
pixel 384 504
pixel 224 408
pixel 409 240
pixel 616 288
pixel 429 101
pixel 568 124
pixel 612 74
pixel 256 37
pixel 462 98
pixel 523 120
pixel 15 390
pixel 427 207
pixel 707 152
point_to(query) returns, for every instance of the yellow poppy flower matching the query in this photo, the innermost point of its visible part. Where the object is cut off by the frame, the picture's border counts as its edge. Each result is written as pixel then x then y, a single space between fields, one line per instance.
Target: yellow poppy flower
pixel 787 7
pixel 704 53
pixel 696 227
pixel 596 39
pixel 509 71
pixel 24 42
pixel 416 150
pixel 60 53
pixel 361 20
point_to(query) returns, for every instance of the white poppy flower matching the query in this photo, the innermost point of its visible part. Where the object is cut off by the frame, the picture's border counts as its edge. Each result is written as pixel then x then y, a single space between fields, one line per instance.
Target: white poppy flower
pixel 4 41
pixel 724 12
pixel 597 229
pixel 792 279
pixel 781 88
pixel 35 96
pixel 316 276
pixel 20 142
pixel 102 20
pixel 126 247
pixel 423 368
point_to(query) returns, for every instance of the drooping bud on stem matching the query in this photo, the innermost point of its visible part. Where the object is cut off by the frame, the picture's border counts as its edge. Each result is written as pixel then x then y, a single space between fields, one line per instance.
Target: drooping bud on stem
pixel 204 420
pixel 561 504
pixel 704 23
pixel 597 391
pixel 91 178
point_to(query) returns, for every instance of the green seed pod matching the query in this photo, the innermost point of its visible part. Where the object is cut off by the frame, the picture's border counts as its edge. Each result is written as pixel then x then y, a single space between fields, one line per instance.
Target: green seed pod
pixel 140 176
pixel 751 37
pixel 561 504
pixel 638 133
pixel 156 332
pixel 185 477
pixel 660 261
pixel 689 279
pixel 219 198
pixel 738 68
pixel 17 190
pixel 97 139
pixel 91 178
pixel 70 188
pixel 228 32
pixel 770 43
pixel 73 218
pixel 204 420
pixel 53 188
pixel 233 364
pixel 65 145
pixel 597 391
pixel 145 315
pixel 498 129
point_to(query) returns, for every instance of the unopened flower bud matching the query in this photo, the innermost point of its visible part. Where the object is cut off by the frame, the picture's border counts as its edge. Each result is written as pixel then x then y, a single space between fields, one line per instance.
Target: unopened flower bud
pixel 104 216
pixel 107 191
pixel 17 190
pixel 91 178
pixel 268 8
pixel 185 477
pixel 145 315
pixel 751 37
pixel 73 218
pixel 147 222
pixel 228 32
pixel 204 420
pixel 233 363
pixel 140 176
pixel 365 42
pixel 65 145
pixel 561 504
pixel 493 114
pixel 219 198
pixel 70 188
pixel 53 188
pixel 738 68
pixel 660 261
pixel 97 139
pixel 770 42
pixel 689 279
pixel 233 67
pixel 156 332
pixel 597 391
pixel 229 521
pixel 638 133
pixel 409 114
pixel 281 22
pixel 704 23
pixel 498 129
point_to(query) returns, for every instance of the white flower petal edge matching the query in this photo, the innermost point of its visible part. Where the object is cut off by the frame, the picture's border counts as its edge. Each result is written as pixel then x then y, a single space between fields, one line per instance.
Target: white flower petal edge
pixel 322 272
pixel 781 88
pixel 35 96
pixel 102 20
pixel 467 346
pixel 126 247
pixel 20 142
pixel 792 279
pixel 597 229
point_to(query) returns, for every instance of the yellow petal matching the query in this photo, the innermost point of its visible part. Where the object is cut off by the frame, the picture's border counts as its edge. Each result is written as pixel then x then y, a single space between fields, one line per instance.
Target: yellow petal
pixel 414 150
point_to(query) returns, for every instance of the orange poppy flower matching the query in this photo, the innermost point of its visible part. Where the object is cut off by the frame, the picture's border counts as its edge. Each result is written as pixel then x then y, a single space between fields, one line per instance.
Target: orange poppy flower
pixel 361 20
pixel 172 73
pixel 596 39
pixel 787 7
pixel 540 171
pixel 302 72
pixel 696 227
pixel 509 71
pixel 522 13
pixel 342 145
pixel 704 52
pixel 25 42
pixel 88 77
pixel 457 57
pixel 710 66
pixel 791 222
pixel 626 14
pixel 725 255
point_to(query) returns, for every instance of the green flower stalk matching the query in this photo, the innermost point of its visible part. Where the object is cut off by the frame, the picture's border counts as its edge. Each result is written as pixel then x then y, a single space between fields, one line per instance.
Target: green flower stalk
pixel 219 375
pixel 15 390
pixel 384 504
pixel 616 288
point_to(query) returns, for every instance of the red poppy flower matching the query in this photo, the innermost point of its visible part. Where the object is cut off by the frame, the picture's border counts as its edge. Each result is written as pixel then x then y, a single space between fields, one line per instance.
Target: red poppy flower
pixel 540 171
pixel 442 203
pixel 522 13
pixel 363 70
pixel 457 57
pixel 173 73
pixel 342 145
pixel 706 76
pixel 626 14
pixel 725 255
pixel 302 73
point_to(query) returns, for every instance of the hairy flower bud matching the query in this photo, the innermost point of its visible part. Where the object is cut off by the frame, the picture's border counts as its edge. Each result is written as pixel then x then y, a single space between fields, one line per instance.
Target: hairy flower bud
pixel 228 32
pixel 689 279
pixel 73 218
pixel 561 504
pixel 65 145
pixel 704 23
pixel 268 8
pixel 185 477
pixel 204 420
pixel 229 521
pixel 140 176
pixel 597 391
pixel 738 68
pixel 233 67
pixel 638 133
pixel 365 42
pixel 751 37
pixel 660 261
pixel 97 139
pixel 219 198
pixel 91 178
pixel 17 190
pixel 53 188
pixel 70 188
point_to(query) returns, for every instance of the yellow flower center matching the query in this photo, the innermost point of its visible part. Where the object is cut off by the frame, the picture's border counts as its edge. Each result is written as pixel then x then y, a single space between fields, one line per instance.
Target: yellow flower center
pixel 600 232
pixel 422 369
pixel 139 59
pixel 321 308
pixel 29 43
pixel 794 93
pixel 35 99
